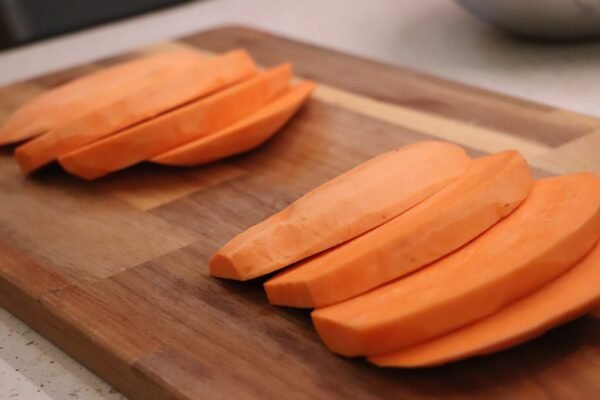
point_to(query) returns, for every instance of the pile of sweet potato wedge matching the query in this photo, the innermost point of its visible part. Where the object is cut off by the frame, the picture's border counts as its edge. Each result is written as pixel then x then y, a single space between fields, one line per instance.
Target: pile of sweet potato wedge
pixel 422 255
pixel 175 108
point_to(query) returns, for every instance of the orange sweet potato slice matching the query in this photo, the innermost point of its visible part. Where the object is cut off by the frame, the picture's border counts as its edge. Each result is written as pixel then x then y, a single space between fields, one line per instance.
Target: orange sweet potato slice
pixel 56 107
pixel 242 136
pixel 490 189
pixel 552 230
pixel 182 125
pixel 341 209
pixel 571 295
pixel 169 90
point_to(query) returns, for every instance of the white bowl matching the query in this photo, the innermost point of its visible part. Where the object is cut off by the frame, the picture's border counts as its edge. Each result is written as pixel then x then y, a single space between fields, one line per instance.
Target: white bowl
pixel 550 19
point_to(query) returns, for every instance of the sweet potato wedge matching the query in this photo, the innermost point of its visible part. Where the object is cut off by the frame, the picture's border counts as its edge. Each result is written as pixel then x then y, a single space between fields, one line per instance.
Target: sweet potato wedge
pixel 168 91
pixel 553 229
pixel 242 136
pixel 571 295
pixel 341 209
pixel 490 189
pixel 56 107
pixel 182 125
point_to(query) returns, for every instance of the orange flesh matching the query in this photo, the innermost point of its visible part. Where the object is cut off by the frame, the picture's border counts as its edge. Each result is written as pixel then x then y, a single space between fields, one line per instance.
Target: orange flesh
pixel 554 228
pixel 243 135
pixel 341 209
pixel 60 105
pixel 571 295
pixel 490 189
pixel 180 126
pixel 162 93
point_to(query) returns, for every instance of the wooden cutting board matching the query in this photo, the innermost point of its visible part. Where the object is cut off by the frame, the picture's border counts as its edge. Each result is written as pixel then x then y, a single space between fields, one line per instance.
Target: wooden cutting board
pixel 115 271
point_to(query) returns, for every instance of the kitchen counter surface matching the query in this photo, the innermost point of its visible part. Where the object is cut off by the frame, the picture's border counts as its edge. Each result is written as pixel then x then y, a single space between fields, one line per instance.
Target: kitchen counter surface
pixel 434 36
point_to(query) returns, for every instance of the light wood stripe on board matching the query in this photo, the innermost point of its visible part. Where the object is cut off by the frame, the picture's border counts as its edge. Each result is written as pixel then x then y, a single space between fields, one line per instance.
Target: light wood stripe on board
pixel 476 137
pixel 578 155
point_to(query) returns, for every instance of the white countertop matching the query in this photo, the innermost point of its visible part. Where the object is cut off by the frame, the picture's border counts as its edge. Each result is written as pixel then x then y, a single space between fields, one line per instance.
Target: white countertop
pixel 428 35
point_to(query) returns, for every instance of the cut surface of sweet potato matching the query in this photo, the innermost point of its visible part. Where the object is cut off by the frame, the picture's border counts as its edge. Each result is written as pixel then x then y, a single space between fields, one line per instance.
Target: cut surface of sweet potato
pixel 167 91
pixel 242 136
pixel 555 227
pixel 341 209
pixel 490 189
pixel 182 125
pixel 571 295
pixel 57 106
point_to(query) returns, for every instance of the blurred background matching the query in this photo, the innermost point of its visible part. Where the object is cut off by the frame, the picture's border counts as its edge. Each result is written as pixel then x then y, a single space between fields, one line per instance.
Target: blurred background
pixel 442 37
pixel 22 21
pixel 434 36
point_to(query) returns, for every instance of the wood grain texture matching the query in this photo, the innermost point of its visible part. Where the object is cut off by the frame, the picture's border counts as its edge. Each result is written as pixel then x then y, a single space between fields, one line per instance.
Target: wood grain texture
pixel 73 228
pixel 115 271
pixel 403 87
pixel 582 154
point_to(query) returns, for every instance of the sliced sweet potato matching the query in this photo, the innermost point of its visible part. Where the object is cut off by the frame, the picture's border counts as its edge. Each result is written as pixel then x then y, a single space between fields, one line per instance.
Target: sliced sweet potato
pixel 243 135
pixel 554 228
pixel 490 189
pixel 182 125
pixel 78 97
pixel 571 295
pixel 170 90
pixel 341 209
